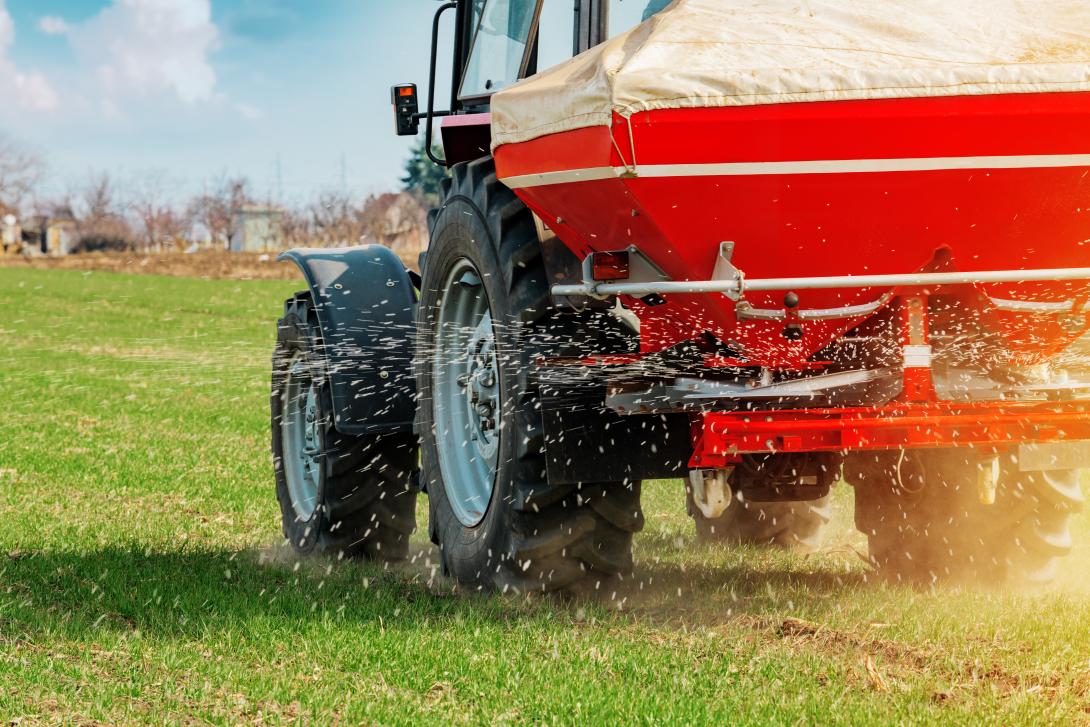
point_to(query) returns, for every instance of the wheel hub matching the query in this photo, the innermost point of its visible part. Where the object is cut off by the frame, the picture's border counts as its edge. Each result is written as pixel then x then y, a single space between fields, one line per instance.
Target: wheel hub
pixel 480 387
pixel 466 396
pixel 300 431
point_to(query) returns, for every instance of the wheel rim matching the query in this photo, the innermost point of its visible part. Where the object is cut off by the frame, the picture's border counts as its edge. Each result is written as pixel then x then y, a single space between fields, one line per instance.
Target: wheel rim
pixel 466 394
pixel 300 431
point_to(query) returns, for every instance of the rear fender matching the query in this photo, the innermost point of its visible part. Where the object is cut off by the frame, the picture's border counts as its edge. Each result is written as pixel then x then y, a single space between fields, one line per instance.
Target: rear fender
pixel 365 301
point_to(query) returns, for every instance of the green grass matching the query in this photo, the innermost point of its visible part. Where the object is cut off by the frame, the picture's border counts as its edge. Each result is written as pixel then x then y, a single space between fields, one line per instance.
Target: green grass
pixel 143 578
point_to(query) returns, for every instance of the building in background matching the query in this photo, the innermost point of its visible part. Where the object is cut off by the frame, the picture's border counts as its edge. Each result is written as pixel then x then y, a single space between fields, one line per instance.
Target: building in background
pixel 44 235
pixel 11 234
pixel 256 228
pixel 60 236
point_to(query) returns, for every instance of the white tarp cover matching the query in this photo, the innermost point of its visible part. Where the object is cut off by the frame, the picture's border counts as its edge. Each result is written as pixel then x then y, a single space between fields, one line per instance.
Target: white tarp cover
pixel 708 53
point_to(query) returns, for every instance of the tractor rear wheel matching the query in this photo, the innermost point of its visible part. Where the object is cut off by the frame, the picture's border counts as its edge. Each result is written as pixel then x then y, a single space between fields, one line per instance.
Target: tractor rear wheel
pixel 484 318
pixel 339 494
pixel 924 520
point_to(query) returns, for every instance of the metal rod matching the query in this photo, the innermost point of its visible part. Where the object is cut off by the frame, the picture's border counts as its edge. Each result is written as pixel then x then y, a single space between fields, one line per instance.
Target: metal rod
pixel 431 83
pixel 838 281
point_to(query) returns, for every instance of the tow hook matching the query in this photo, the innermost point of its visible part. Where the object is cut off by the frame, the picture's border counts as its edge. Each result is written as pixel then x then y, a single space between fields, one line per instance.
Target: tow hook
pixel 711 491
pixel 987 479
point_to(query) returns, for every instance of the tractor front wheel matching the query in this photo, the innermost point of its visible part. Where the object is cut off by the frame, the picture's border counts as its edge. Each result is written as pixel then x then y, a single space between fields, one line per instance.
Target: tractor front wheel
pixel 339 494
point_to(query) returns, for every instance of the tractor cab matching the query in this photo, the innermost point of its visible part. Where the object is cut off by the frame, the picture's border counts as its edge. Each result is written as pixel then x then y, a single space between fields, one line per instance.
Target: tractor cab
pixel 497 43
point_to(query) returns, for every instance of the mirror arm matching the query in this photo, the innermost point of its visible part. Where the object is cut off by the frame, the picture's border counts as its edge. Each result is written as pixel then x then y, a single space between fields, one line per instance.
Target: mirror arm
pixel 431 113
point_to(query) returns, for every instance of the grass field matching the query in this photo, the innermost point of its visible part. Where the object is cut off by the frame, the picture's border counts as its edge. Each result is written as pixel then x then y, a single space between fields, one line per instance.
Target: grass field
pixel 143 578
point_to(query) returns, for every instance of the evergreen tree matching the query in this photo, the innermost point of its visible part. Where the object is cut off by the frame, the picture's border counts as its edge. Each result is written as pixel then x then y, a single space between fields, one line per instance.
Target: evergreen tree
pixel 422 175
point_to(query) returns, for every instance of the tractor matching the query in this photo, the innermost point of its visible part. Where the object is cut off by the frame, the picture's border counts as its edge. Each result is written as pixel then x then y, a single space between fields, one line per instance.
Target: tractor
pixel 758 248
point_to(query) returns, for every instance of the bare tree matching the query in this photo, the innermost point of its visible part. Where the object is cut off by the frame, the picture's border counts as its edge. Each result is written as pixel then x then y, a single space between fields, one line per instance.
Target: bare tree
pixel 297 227
pixel 21 169
pixel 100 223
pixel 96 199
pixel 149 206
pixel 337 221
pixel 173 227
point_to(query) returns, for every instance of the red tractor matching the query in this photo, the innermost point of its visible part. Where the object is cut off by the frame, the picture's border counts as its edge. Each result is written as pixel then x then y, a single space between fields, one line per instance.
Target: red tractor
pixel 759 247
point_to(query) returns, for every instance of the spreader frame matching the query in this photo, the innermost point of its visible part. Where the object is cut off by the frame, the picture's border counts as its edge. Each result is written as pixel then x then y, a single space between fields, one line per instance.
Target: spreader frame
pixel 989 427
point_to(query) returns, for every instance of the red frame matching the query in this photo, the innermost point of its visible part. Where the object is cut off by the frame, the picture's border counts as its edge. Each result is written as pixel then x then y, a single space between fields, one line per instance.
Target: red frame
pixel 919 420
pixel 990 427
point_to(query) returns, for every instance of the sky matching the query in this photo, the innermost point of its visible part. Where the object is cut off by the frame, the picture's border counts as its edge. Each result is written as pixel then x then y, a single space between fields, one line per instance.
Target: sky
pixel 293 94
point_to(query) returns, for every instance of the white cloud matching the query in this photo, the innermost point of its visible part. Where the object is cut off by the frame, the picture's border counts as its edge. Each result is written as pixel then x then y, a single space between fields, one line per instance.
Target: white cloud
pixel 249 112
pixel 31 91
pixel 52 25
pixel 150 46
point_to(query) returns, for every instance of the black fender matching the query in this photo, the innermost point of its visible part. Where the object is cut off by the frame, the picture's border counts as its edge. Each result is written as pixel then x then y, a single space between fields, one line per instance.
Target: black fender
pixel 365 300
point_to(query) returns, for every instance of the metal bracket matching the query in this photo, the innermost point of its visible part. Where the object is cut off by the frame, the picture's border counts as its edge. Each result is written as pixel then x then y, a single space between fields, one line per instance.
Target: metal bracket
pixel 642 270
pixel 1039 307
pixel 711 491
pixel 726 271
pixel 746 312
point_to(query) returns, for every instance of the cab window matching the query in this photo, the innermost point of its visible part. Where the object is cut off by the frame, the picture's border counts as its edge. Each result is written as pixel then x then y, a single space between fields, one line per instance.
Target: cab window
pixel 555 33
pixel 498 53
pixel 624 15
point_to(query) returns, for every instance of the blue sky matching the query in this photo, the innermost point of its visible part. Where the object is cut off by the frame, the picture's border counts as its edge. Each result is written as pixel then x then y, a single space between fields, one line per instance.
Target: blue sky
pixel 196 88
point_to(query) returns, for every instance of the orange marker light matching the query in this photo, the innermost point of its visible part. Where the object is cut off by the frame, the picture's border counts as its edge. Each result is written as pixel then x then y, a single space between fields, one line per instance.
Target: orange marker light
pixel 609 265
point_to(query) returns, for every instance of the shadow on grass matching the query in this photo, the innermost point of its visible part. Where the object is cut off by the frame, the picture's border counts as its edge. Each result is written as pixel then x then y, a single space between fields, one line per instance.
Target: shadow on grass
pixel 191 592
pixel 195 592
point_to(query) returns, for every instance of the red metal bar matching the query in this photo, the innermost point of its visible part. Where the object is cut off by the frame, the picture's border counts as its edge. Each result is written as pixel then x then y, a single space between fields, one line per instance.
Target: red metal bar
pixel 915 337
pixel 989 426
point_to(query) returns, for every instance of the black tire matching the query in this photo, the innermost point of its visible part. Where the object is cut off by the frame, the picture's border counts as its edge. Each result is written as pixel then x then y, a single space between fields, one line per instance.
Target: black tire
pixel 366 502
pixel 794 525
pixel 533 536
pixel 929 524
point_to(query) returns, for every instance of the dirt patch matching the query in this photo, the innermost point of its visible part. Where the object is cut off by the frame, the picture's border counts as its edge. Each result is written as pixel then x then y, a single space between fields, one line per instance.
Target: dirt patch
pixel 875 663
pixel 885 665
pixel 211 265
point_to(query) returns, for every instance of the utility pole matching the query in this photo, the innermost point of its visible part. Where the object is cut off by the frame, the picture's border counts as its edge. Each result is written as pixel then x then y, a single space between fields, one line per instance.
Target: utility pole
pixel 344 176
pixel 279 181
